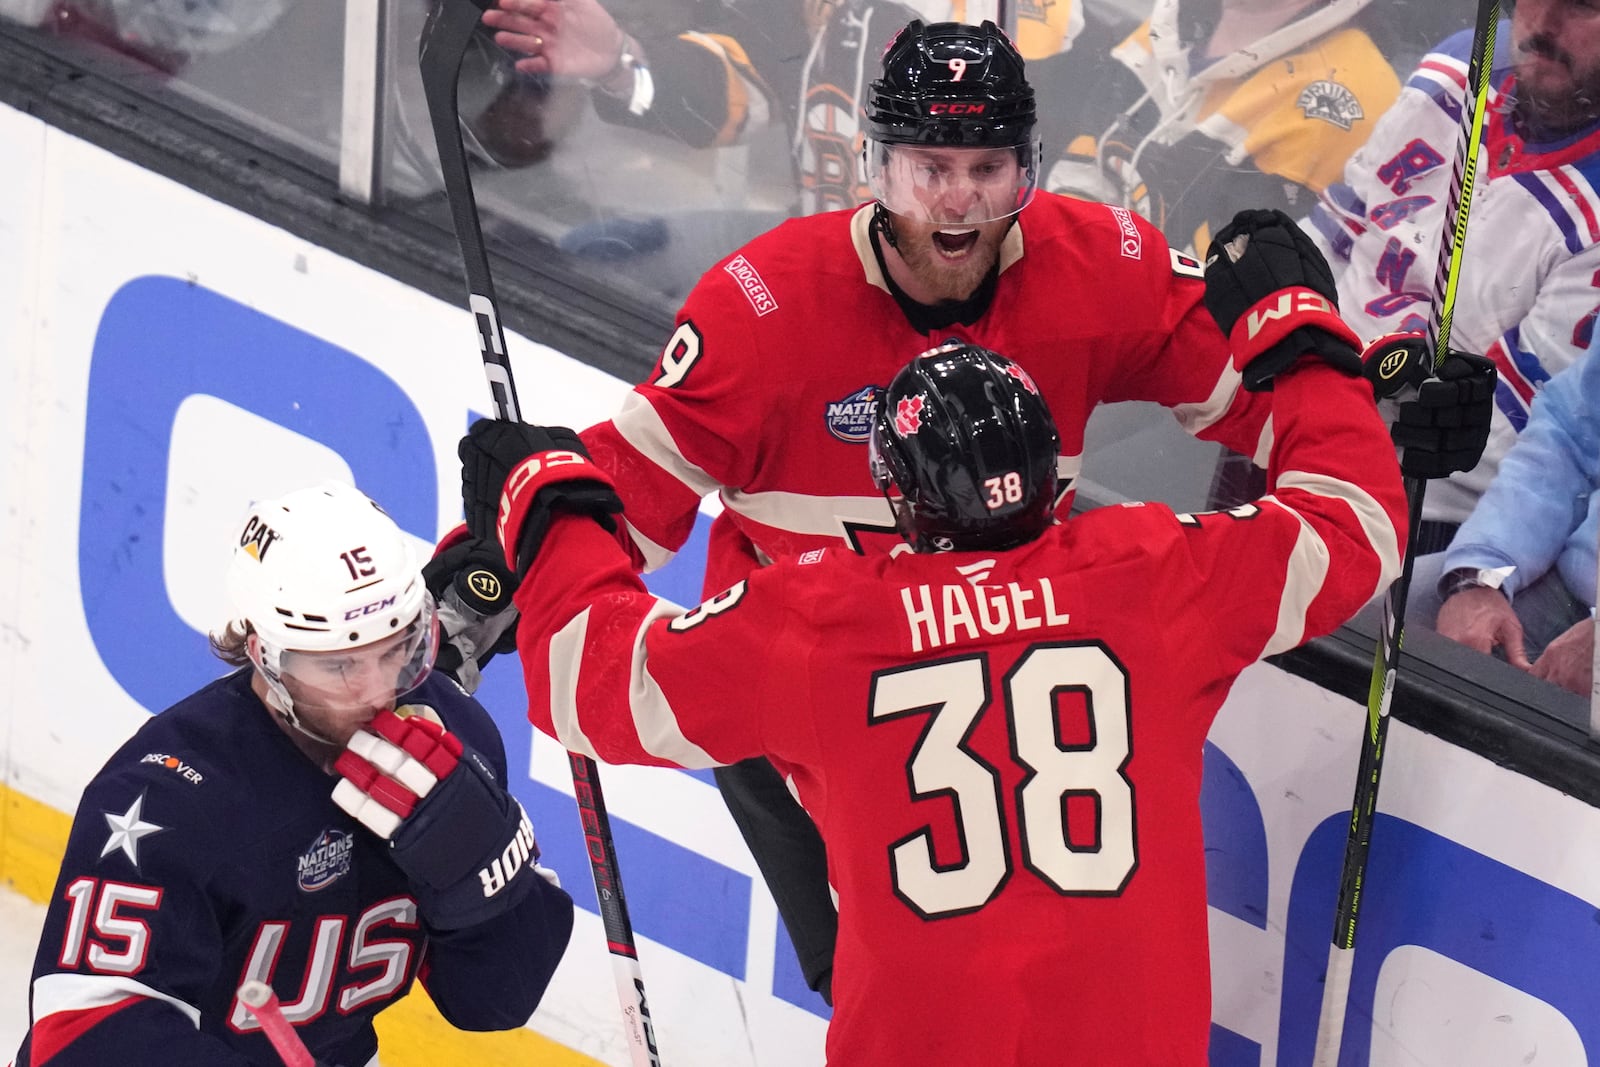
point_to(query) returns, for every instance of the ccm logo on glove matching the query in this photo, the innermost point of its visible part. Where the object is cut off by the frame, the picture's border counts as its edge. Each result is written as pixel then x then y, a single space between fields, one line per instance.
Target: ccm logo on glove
pixel 1283 305
pixel 524 473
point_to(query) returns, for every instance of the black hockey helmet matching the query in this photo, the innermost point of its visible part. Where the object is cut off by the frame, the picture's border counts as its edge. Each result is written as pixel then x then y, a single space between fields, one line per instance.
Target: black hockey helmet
pixel 965 437
pixel 950 86
pixel 954 85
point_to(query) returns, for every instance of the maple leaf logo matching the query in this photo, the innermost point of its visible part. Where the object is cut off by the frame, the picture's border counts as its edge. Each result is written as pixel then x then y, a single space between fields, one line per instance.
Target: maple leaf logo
pixel 1022 376
pixel 908 415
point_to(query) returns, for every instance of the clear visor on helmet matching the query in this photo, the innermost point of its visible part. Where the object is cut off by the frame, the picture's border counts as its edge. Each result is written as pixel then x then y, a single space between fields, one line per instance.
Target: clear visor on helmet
pixel 371 675
pixel 952 185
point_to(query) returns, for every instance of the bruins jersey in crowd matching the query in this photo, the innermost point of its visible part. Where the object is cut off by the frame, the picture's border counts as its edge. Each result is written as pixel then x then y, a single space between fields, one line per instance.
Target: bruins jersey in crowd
pixel 806 64
pixel 1268 125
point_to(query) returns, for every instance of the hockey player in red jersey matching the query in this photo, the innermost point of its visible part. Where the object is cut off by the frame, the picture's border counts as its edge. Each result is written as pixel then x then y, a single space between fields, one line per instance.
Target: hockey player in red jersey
pixel 998 733
pixel 248 832
pixel 762 393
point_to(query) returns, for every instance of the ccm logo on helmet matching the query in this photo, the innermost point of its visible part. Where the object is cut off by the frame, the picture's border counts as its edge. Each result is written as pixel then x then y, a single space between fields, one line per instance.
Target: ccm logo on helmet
pixel 371 609
pixel 957 109
pixel 1295 303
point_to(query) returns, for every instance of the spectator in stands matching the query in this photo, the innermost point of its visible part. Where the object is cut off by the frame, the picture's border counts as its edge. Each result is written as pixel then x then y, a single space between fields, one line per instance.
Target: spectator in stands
pixel 785 61
pixel 1217 105
pixel 1533 313
pixel 1520 574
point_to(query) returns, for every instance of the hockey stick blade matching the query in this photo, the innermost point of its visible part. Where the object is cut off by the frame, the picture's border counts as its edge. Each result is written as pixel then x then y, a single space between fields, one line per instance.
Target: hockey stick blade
pixel 1363 809
pixel 445 37
pixel 262 1004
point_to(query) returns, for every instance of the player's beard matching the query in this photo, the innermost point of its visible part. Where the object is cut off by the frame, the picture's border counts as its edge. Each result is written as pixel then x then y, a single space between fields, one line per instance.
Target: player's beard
pixel 937 277
pixel 1556 93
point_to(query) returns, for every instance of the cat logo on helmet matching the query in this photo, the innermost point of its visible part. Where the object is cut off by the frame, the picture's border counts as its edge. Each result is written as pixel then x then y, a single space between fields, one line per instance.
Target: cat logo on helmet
pixel 257 538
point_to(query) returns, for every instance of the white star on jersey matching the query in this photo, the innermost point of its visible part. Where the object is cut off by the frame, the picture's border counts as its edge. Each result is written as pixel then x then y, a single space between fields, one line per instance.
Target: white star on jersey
pixel 127 829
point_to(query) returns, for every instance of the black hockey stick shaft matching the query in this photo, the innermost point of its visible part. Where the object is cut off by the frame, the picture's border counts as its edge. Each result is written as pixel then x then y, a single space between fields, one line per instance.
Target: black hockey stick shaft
pixel 445 38
pixel 1358 843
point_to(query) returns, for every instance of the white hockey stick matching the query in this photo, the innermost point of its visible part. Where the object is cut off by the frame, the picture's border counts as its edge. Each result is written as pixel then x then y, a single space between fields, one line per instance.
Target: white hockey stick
pixel 260 1001
pixel 1352 876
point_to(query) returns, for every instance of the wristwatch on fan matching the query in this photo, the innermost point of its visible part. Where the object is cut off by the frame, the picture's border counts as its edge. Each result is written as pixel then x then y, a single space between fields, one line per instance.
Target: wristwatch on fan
pixel 1454 581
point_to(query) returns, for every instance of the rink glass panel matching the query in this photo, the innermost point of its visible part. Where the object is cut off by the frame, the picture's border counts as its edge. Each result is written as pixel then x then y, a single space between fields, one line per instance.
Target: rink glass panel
pixel 632 217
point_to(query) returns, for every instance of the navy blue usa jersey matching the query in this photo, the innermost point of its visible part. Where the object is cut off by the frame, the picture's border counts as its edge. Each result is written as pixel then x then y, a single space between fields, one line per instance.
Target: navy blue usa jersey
pixel 207 852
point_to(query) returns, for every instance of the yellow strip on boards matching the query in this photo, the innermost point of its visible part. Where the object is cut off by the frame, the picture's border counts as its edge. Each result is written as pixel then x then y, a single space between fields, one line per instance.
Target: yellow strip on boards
pixel 33 837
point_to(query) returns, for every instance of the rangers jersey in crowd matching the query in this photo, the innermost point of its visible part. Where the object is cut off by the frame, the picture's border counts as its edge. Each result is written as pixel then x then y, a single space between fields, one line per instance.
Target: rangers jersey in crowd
pixel 805 64
pixel 764 391
pixel 1532 310
pixel 1002 750
pixel 208 851
pixel 1270 125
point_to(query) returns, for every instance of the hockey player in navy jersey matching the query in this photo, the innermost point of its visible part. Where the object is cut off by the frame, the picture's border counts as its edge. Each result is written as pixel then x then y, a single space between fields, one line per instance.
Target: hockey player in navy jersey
pixel 247 831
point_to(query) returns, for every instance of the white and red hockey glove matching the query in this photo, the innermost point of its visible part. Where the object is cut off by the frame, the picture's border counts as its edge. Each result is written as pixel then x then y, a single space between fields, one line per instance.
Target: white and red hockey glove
pixel 463 841
pixel 515 476
pixel 1273 294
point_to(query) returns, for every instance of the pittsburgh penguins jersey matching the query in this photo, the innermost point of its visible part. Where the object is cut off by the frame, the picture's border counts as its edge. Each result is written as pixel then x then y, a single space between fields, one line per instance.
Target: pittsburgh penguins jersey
pixel 207 852
pixel 805 66
pixel 1533 312
pixel 1270 125
pixel 764 391
pixel 1002 751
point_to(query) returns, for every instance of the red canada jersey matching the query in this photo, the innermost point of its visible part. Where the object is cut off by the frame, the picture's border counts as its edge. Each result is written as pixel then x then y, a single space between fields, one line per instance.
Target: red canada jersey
pixel 1002 751
pixel 764 392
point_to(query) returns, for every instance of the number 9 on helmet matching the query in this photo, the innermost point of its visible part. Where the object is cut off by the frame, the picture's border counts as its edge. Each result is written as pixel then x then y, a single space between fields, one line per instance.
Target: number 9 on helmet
pixel 965 450
pixel 950 126
pixel 323 571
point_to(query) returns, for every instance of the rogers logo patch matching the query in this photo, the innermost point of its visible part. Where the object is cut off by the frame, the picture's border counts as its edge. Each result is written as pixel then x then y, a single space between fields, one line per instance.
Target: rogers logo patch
pixel 755 290
pixel 1132 243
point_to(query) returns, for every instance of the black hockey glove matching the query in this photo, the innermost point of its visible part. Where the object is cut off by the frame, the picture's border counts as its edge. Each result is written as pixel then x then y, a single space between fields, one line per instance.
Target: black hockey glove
pixel 468 578
pixel 1441 424
pixel 514 477
pixel 463 841
pixel 1272 292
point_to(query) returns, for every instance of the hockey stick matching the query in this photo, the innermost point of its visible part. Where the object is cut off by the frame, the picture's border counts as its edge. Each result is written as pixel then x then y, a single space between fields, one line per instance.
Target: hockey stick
pixel 1363 808
pixel 261 1002
pixel 445 37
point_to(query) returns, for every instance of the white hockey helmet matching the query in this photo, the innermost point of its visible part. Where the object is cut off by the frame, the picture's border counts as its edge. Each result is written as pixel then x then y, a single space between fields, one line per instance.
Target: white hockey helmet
pixel 325 569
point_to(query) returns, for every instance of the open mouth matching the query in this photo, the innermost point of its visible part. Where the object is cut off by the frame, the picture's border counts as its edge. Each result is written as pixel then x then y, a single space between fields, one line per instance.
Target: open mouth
pixel 953 243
